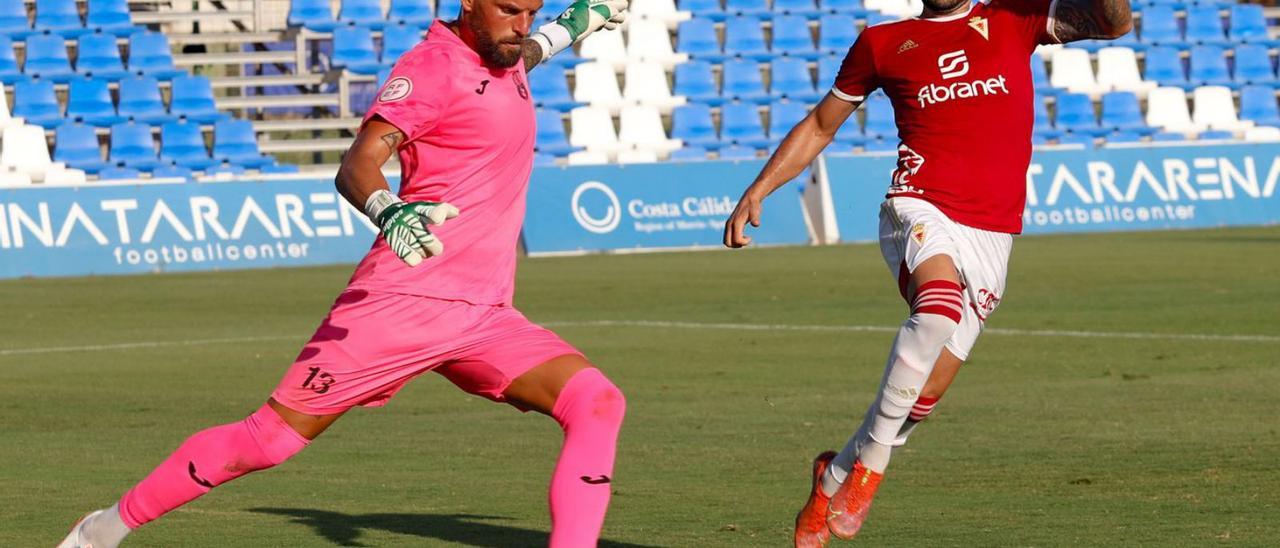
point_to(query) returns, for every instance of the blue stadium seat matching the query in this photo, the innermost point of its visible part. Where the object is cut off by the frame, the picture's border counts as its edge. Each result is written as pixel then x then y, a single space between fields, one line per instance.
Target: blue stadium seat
pixel 225 169
pixel 1253 65
pixel 803 8
pixel 449 9
pixel 1160 27
pixel 1076 115
pixel 828 68
pixel 791 80
pixel 1204 26
pixel 1122 112
pixel 758 9
pixel 1168 137
pixel 552 9
pixel 740 124
pixel 743 82
pixel 235 142
pixel 1165 67
pixel 98 56
pixel 1127 40
pixel 1040 76
pixel 744 37
pixel 9 70
pixel 704 9
pixel 353 50
pixel 1217 135
pixel 1043 124
pixel 382 77
pixel 149 53
pixel 697 37
pixel 133 146
pixel 692 123
pixel 879 122
pixel 850 133
pixel 1086 139
pixel 275 168
pixel 192 97
pixel 567 58
pixel 1123 137
pixel 182 144
pixel 140 100
pixel 397 39
pixel 543 160
pixel 316 15
pixel 77 146
pixel 782 117
pixel 117 173
pixel 843 7
pixel 689 154
pixel 1258 104
pixel 14 22
pixel 880 145
pixel 738 152
pixel 791 37
pixel 696 81
pixel 89 101
pixel 875 18
pixel 366 13
pixel 1209 67
pixel 110 16
pixel 551 138
pixel 173 172
pixel 61 17
pixel 35 101
pixel 836 34
pixel 550 87
pixel 47 58
pixel 1248 24
pixel 412 12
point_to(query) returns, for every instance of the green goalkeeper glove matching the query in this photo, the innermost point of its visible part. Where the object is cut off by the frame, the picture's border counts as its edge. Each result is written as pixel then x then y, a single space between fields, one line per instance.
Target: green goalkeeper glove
pixel 404 224
pixel 581 19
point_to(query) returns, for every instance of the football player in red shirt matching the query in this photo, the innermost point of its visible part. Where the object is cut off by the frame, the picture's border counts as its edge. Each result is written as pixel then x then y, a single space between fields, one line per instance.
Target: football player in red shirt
pixel 959 79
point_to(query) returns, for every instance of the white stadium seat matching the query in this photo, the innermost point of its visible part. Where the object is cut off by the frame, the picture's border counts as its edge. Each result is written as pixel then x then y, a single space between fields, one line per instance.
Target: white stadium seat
pixel 607 48
pixel 1118 71
pixel 637 157
pixel 650 40
pixel 588 158
pixel 1262 134
pixel 1167 109
pixel 647 85
pixel 6 119
pixel 1215 109
pixel 58 175
pixel 642 129
pixel 26 151
pixel 1073 70
pixel 597 84
pixel 592 128
pixel 662 11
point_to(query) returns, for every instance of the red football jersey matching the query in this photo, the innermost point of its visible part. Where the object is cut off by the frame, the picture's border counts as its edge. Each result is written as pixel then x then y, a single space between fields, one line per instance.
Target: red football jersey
pixel 962 98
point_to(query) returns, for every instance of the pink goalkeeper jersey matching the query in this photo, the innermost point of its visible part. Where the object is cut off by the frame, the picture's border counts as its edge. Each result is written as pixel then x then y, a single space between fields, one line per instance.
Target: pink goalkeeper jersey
pixel 469 141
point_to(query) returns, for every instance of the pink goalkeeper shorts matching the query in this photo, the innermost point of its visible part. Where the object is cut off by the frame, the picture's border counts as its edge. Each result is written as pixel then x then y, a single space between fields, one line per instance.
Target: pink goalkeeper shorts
pixel 371 344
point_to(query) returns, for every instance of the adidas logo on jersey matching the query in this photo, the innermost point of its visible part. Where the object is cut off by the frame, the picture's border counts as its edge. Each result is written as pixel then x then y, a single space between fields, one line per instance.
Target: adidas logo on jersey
pixel 909 44
pixel 933 94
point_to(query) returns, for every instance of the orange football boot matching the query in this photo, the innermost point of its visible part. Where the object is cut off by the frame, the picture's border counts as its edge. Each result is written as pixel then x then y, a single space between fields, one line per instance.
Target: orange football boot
pixel 852 501
pixel 811 522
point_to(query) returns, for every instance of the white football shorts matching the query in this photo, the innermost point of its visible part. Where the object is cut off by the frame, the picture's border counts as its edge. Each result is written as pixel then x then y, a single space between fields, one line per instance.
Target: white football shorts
pixel 913 230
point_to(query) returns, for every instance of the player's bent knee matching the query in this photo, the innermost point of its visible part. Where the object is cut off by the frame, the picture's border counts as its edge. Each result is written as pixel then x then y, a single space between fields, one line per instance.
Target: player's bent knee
pixel 262 440
pixel 590 396
pixel 936 309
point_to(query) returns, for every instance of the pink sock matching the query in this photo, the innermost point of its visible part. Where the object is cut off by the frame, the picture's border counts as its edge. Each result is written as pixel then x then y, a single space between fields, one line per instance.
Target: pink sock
pixel 590 409
pixel 208 459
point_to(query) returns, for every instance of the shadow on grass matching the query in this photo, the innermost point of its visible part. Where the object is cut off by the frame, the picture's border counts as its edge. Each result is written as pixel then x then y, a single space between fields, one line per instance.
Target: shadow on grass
pixel 470 529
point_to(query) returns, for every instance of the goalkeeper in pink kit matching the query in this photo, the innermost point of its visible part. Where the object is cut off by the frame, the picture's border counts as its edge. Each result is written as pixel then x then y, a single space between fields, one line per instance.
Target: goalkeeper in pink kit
pixel 457 111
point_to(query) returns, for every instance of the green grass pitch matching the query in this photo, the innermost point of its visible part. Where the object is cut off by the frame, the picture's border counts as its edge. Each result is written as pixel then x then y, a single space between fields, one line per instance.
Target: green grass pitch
pixel 1048 438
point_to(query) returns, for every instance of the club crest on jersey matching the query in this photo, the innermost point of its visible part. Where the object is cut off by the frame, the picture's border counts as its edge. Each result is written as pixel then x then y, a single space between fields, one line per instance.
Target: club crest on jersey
pixel 917 234
pixel 979 24
pixel 523 91
pixel 398 88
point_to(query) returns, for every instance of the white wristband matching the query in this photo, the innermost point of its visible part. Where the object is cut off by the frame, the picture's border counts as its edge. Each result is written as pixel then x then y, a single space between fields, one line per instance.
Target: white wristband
pixel 379 201
pixel 553 38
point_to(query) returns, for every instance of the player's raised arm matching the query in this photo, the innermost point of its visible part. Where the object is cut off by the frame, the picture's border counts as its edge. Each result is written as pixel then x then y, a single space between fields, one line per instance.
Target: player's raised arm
pixel 581 19
pixel 1090 19
pixel 798 149
pixel 360 181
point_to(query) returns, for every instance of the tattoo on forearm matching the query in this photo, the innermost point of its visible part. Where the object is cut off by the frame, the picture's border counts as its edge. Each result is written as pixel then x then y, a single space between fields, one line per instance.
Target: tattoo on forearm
pixel 532 52
pixel 1083 19
pixel 393 140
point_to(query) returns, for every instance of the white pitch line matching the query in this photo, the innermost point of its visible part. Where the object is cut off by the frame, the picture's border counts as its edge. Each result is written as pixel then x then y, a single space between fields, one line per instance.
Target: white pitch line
pixel 888 329
pixel 691 325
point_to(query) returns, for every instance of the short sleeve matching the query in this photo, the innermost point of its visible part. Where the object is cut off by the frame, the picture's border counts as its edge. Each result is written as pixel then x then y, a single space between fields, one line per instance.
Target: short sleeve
pixel 857 77
pixel 1034 18
pixel 415 95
